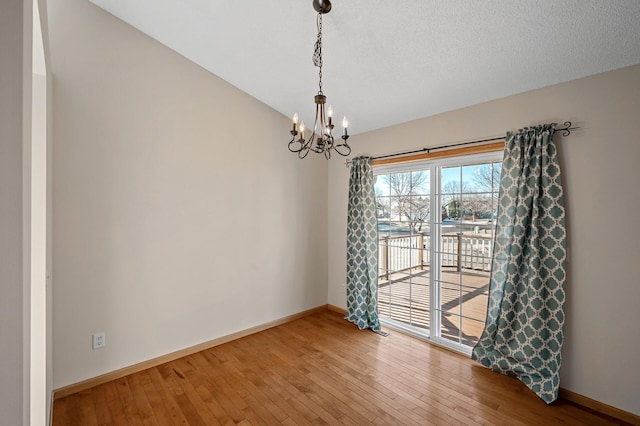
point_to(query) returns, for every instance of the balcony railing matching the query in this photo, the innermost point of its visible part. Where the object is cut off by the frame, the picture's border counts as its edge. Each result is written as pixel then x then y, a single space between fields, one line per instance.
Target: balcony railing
pixel 461 251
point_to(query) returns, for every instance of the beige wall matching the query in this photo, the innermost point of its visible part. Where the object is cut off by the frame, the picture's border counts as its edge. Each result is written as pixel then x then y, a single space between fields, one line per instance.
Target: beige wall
pixel 13 388
pixel 178 214
pixel 601 178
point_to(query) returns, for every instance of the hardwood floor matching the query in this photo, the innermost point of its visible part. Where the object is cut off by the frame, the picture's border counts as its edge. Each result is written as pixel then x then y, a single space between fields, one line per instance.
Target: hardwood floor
pixel 317 370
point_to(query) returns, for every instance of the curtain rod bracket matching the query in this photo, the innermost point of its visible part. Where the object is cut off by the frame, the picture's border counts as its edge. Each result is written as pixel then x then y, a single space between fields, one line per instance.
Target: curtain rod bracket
pixel 566 130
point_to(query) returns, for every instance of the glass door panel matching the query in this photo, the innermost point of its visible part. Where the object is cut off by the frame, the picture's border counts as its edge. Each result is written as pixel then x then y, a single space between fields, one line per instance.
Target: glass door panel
pixel 468 193
pixel 436 227
pixel 403 223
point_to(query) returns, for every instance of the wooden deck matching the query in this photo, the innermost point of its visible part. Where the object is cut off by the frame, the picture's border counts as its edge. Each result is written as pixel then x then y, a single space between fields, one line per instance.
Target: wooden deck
pixel 464 298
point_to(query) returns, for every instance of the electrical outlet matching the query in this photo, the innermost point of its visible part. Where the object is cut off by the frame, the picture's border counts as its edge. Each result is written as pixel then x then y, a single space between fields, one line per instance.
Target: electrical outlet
pixel 99 340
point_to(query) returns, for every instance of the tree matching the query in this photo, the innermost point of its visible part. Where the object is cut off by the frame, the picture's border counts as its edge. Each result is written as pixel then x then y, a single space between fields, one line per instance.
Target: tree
pixel 451 199
pixel 382 204
pixel 408 194
pixel 451 210
pixel 487 177
pixel 486 180
pixel 462 199
pixel 476 205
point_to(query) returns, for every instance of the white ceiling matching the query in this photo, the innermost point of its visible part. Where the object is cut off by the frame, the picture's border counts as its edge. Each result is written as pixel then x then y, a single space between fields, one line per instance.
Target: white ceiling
pixel 387 62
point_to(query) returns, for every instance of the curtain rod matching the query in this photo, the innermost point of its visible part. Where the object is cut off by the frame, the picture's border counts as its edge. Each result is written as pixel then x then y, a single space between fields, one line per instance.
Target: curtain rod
pixel 566 132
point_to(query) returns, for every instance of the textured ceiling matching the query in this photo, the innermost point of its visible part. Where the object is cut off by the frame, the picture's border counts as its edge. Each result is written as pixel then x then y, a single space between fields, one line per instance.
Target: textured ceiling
pixel 387 62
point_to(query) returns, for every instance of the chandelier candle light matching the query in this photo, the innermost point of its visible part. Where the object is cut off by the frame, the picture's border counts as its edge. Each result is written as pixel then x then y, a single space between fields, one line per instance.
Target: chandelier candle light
pixel 321 139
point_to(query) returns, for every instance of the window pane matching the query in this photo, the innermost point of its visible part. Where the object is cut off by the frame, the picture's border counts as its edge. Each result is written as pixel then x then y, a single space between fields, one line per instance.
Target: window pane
pixel 381 186
pixel 420 183
pixel 450 180
pixel 451 207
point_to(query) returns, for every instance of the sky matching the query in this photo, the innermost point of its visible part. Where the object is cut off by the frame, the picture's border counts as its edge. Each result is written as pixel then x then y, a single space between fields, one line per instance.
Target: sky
pixel 457 174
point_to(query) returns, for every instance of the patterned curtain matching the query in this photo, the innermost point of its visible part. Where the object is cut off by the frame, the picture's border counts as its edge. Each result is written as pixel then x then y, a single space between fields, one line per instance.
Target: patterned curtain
pixel 362 247
pixel 523 330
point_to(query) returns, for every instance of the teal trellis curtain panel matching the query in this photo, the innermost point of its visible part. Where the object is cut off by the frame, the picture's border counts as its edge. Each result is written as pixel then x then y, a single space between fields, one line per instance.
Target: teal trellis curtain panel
pixel 362 247
pixel 523 330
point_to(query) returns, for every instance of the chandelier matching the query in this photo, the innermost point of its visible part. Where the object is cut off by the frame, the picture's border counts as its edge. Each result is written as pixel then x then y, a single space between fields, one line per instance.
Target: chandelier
pixel 320 139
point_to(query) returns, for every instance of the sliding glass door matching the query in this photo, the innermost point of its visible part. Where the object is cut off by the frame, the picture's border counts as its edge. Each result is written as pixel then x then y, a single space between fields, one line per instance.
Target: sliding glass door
pixel 436 222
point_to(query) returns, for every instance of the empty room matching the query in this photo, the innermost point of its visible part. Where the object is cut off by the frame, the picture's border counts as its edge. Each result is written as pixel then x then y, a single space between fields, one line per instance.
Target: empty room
pixel 314 212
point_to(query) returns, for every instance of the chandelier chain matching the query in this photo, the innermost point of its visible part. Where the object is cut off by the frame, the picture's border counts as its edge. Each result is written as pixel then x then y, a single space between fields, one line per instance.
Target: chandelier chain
pixel 317 53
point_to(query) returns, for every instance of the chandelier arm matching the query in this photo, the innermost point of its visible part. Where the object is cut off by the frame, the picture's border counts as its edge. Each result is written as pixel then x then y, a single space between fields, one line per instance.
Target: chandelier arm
pixel 294 141
pixel 303 153
pixel 344 153
pixel 293 149
pixel 328 141
pixel 310 143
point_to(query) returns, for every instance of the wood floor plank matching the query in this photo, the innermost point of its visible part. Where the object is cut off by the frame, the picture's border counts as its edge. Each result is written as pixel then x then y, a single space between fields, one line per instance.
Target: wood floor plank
pixel 208 380
pixel 141 401
pixel 167 398
pixel 253 372
pixel 319 369
pixel 183 378
pixel 387 393
pixel 80 410
pixel 223 381
pixel 254 408
pixel 171 376
pixel 206 390
pixel 298 386
pixel 319 366
pixel 112 400
pixel 59 412
pixel 128 402
pixel 161 412
pixel 103 415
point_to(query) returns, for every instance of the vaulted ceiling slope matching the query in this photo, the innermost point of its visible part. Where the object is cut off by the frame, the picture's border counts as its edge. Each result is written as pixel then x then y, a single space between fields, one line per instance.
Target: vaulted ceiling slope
pixel 387 62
